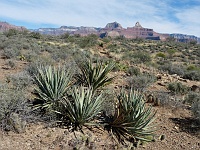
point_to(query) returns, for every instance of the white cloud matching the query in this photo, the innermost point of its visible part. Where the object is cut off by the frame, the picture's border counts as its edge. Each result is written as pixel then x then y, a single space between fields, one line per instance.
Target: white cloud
pixel 159 15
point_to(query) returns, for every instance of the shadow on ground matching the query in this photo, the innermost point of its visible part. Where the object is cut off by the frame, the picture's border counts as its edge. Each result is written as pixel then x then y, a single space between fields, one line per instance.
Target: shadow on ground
pixel 188 125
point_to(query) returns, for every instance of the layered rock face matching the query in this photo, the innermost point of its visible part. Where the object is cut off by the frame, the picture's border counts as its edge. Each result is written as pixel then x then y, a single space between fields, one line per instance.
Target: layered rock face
pixel 184 38
pixel 115 29
pixel 111 29
pixel 113 25
pixel 4 26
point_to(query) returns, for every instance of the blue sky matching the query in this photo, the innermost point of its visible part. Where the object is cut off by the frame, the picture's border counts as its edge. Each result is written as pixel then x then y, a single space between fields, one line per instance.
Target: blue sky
pixel 164 16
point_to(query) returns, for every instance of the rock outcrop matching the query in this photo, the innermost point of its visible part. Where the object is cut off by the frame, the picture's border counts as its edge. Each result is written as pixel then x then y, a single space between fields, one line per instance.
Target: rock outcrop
pixel 113 25
pixel 4 26
pixel 115 29
pixel 184 38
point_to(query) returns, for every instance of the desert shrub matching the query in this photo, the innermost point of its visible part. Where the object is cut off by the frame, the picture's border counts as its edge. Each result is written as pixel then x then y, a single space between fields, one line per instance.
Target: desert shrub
pixel 173 68
pixel 191 72
pixel 106 39
pixel 60 54
pixel 30 56
pixel 87 41
pixel 65 36
pixel 141 82
pixel 131 120
pixel 108 106
pixel 138 57
pixel 11 63
pixel 11 52
pixel 163 98
pixel 11 32
pixel 32 68
pixel 20 80
pixel 192 67
pixel 26 45
pixel 192 75
pixel 120 67
pixel 101 44
pixel 192 97
pixel 35 35
pixel 13 109
pixel 113 47
pixel 133 71
pixel 35 47
pixel 161 55
pixel 177 88
pixel 171 51
pixel 3 38
pixel 196 110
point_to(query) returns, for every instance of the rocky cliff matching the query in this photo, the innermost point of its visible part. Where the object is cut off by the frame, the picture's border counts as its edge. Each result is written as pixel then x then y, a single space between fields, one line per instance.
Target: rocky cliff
pixel 83 31
pixel 115 29
pixel 113 25
pixel 184 38
pixel 4 26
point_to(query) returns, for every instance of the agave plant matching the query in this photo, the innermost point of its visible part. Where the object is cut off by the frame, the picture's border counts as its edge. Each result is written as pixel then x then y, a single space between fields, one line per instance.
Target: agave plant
pixel 52 85
pixel 82 107
pixel 131 119
pixel 94 76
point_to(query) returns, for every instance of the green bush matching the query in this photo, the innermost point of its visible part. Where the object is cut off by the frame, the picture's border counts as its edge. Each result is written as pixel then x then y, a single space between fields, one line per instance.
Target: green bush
pixel 52 85
pixel 120 67
pixel 60 54
pixel 87 41
pixel 178 88
pixel 32 67
pixel 133 71
pixel 11 63
pixel 82 107
pixel 173 68
pixel 132 120
pixel 109 97
pixel 11 32
pixel 35 35
pixel 192 97
pixel 21 80
pixel 161 55
pixel 106 39
pixel 95 76
pixel 196 110
pixel 171 52
pixel 137 57
pixel 141 82
pixel 192 75
pixel 13 109
pixel 11 53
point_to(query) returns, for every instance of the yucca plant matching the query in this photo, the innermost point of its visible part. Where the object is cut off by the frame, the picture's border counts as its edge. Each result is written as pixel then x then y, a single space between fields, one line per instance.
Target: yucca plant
pixel 82 107
pixel 131 121
pixel 94 76
pixel 52 84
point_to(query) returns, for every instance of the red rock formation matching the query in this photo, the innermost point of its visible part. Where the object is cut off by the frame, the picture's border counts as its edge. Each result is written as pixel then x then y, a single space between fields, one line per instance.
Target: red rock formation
pixel 4 26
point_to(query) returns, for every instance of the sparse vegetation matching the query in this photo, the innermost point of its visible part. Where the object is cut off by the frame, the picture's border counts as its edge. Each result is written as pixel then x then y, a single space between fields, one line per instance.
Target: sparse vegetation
pixel 71 78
